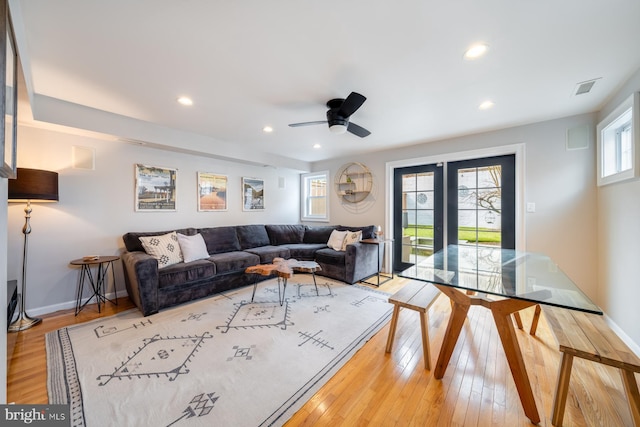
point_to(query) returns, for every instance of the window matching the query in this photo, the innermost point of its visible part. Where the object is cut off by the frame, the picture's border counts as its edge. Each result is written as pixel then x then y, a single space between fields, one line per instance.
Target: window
pixel 314 196
pixel 618 143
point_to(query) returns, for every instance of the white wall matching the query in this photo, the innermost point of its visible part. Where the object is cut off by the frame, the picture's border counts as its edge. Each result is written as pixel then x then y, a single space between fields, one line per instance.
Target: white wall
pixel 619 240
pixel 97 207
pixel 561 182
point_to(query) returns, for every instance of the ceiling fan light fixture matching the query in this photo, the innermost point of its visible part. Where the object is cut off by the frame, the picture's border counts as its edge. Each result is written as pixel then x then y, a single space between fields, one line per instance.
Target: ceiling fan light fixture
pixel 338 128
pixel 338 116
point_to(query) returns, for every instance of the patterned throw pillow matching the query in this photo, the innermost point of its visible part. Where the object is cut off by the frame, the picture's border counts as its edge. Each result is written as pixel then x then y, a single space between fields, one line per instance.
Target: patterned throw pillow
pixel 351 237
pixel 164 248
pixel 336 240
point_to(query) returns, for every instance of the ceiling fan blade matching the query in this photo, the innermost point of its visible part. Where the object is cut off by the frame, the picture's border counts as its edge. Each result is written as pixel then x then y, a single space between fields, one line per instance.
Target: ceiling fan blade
pixel 357 130
pixel 351 104
pixel 295 125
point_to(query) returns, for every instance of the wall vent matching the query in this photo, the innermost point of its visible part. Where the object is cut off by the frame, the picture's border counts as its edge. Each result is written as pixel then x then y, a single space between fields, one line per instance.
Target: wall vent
pixel 578 138
pixel 83 157
pixel 585 87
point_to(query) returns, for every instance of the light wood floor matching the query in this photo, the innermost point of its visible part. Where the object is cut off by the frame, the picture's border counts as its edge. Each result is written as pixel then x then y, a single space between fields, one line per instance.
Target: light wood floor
pixel 379 389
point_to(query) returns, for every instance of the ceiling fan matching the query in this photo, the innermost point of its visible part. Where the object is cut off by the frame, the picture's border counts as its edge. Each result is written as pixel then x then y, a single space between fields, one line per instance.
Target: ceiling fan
pixel 338 115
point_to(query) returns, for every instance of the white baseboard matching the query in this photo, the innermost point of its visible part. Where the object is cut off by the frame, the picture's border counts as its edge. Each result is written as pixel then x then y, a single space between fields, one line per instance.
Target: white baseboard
pixel 623 336
pixel 39 311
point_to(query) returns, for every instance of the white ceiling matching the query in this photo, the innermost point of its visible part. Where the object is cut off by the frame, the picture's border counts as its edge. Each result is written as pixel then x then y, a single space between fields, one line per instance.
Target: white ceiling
pixel 118 66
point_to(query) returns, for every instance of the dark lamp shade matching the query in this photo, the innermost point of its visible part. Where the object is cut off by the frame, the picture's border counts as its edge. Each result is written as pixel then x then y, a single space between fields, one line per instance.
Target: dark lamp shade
pixel 34 185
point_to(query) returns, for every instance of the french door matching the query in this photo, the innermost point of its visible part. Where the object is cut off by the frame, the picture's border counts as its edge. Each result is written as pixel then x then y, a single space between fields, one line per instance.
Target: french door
pixel 481 202
pixel 479 208
pixel 418 214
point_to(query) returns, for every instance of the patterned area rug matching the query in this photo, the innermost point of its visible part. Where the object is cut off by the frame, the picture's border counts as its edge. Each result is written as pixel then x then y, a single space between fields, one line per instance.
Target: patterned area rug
pixel 220 361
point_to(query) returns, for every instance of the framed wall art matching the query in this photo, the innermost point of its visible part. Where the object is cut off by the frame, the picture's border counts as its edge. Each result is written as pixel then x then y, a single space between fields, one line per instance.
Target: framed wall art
pixel 252 194
pixel 212 192
pixel 8 94
pixel 155 188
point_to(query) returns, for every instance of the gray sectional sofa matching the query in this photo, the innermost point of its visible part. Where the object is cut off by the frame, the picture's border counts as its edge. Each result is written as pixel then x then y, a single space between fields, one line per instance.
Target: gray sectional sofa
pixel 231 250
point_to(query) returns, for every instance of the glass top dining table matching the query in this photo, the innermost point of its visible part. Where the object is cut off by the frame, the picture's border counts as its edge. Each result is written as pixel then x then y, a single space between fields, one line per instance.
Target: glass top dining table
pixel 507 273
pixel 504 281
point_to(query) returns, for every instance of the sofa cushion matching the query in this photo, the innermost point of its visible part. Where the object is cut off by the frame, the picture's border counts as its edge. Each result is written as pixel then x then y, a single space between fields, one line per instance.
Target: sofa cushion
pixel 220 239
pixel 368 231
pixel 268 253
pixel 330 256
pixel 233 261
pixel 183 273
pixel 317 234
pixel 304 251
pixel 132 240
pixel 192 247
pixel 252 236
pixel 164 248
pixel 285 234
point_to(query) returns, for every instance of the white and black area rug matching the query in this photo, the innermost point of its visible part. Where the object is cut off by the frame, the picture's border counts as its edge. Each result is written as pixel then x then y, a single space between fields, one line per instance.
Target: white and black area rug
pixel 220 361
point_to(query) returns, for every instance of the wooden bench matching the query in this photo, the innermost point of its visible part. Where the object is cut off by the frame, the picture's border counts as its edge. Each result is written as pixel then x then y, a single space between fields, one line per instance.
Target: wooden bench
pixel 416 296
pixel 589 337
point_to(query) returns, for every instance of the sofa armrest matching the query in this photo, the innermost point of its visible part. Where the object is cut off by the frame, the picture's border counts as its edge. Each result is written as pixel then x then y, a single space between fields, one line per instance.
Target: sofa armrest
pixel 141 279
pixel 361 261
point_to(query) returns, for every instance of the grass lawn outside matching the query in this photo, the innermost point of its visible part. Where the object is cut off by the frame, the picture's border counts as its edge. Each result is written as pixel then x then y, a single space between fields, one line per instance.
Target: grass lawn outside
pixel 464 233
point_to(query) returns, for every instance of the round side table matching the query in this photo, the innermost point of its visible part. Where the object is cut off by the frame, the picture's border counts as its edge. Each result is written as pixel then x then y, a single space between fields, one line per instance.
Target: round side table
pixel 103 263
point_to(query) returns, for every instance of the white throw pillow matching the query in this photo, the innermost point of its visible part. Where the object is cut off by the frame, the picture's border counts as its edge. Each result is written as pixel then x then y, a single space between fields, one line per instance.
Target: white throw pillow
pixel 351 237
pixel 336 239
pixel 193 247
pixel 165 248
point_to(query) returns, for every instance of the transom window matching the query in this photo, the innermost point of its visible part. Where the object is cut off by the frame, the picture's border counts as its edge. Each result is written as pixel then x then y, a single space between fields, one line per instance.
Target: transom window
pixel 616 146
pixel 619 143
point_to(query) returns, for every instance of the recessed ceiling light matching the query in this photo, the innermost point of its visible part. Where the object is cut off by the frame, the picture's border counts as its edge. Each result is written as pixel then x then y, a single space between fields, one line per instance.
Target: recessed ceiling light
pixel 185 101
pixel 316 146
pixel 486 105
pixel 476 51
pixel 267 129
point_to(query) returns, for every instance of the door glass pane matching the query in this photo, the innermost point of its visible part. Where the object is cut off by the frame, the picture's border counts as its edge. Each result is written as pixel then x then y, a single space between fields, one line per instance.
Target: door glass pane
pixel 489 177
pixel 409 182
pixel 424 200
pixel 424 181
pixel 467 178
pixel 418 199
pixel 479 205
pixel 489 199
pixel 409 200
pixel 466 199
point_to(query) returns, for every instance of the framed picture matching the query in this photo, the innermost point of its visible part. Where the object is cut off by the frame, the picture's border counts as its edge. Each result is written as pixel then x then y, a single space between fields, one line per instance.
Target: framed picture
pixel 155 188
pixel 9 94
pixel 212 192
pixel 252 194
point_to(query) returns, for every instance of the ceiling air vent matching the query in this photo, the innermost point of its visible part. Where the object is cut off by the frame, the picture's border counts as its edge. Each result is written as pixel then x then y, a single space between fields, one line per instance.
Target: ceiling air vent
pixel 585 87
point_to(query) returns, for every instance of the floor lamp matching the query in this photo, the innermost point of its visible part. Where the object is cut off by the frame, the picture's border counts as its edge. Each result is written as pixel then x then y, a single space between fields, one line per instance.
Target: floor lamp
pixel 30 185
